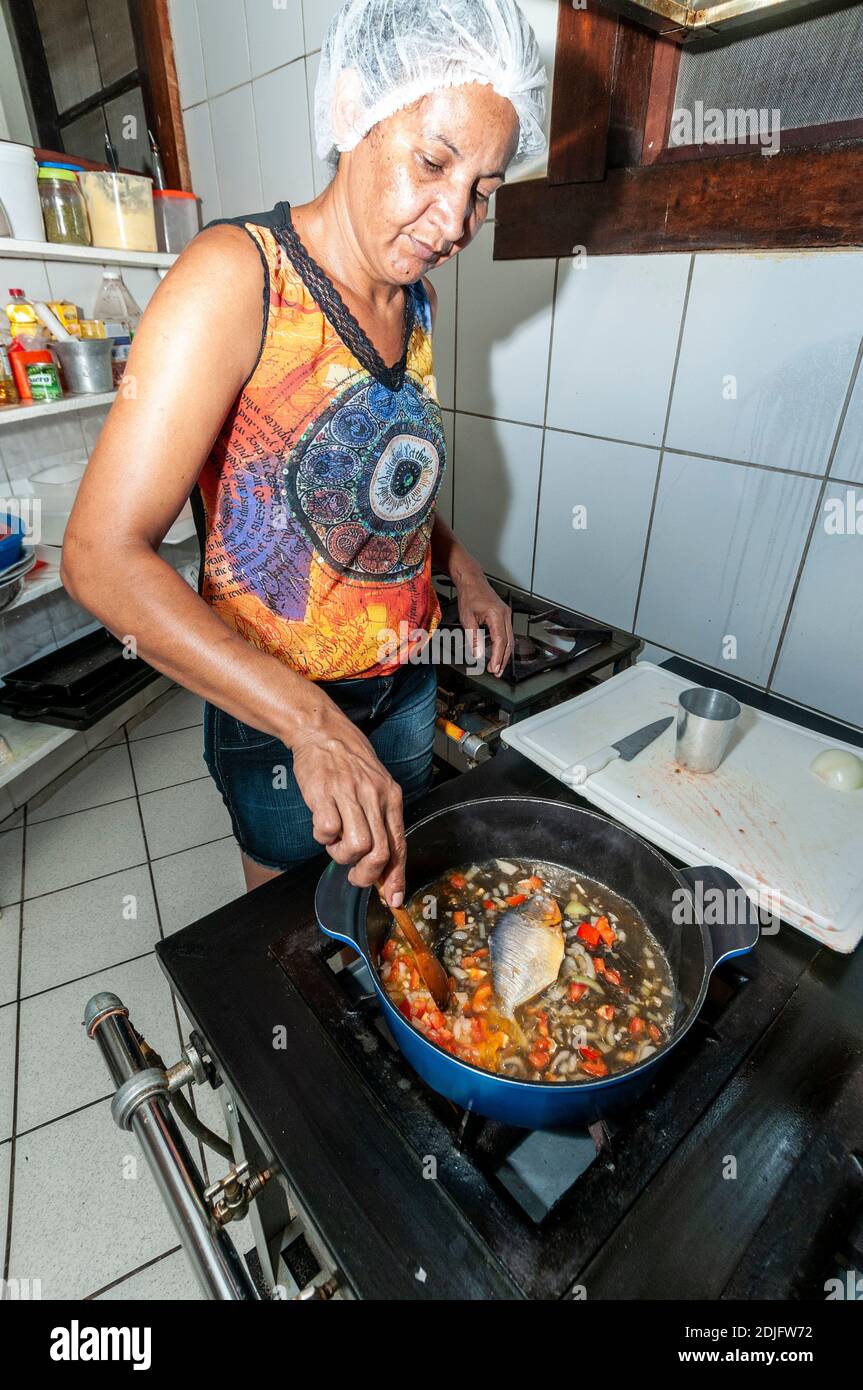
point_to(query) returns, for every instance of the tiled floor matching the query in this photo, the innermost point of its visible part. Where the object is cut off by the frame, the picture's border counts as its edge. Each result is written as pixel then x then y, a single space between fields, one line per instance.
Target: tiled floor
pixel 129 845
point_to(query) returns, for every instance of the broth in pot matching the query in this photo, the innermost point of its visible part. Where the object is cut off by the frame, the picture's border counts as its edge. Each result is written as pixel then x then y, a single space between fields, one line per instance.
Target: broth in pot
pixel 594 998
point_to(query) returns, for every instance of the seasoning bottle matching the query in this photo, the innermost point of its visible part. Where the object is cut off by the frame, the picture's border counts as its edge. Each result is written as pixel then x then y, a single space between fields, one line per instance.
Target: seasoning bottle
pixel 8 389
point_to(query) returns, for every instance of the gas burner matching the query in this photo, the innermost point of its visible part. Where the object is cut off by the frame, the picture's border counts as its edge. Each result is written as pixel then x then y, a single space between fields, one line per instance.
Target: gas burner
pixel 525 649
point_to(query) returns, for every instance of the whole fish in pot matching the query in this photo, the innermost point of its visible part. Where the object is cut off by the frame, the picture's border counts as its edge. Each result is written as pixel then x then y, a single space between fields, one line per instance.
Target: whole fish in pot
pixel 527 947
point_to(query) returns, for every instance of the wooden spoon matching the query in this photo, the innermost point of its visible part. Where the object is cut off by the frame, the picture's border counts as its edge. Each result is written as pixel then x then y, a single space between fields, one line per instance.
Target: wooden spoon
pixel 434 977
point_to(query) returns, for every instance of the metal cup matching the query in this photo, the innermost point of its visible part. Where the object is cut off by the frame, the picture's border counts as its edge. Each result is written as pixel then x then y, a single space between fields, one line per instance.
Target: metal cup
pixel 87 365
pixel 705 723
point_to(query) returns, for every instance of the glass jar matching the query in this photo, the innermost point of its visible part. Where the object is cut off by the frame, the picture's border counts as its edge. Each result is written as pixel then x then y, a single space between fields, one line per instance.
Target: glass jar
pixel 63 207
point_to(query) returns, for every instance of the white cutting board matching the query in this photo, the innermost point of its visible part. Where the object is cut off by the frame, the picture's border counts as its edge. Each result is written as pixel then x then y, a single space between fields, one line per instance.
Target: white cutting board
pixel 762 815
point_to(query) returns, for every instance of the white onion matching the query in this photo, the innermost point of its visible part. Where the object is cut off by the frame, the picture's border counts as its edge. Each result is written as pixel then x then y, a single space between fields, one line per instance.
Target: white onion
pixel 839 770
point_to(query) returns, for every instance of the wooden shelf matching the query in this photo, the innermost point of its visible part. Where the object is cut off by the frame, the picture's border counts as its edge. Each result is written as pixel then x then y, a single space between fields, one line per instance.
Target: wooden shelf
pixel 41 410
pixel 101 255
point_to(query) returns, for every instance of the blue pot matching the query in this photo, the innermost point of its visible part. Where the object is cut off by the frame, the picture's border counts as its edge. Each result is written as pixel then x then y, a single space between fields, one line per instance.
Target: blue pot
pixel 532 829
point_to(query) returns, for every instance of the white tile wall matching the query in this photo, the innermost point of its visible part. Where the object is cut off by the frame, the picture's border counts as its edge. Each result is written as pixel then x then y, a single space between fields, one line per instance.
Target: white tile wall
pixel 725 547
pixel 225 44
pixel 202 160
pixel 594 566
pixel 284 147
pixel 316 16
pixel 504 333
pixel 848 460
pixel 496 481
pixel 821 662
pixel 188 52
pixel 275 33
pixel 616 328
pixel 235 145
pixel 768 349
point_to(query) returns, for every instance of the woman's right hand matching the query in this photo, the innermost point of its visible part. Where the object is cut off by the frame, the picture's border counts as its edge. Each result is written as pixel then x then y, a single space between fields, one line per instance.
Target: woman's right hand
pixel 356 805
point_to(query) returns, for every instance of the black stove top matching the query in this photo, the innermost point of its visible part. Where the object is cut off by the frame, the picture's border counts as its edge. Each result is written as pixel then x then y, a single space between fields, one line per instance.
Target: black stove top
pixel 739 1175
pixel 553 648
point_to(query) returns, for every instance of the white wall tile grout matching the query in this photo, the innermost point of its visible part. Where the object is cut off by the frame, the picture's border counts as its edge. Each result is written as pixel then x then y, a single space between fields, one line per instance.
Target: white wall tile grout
pixel 544 421
pixel 816 512
pixel 672 384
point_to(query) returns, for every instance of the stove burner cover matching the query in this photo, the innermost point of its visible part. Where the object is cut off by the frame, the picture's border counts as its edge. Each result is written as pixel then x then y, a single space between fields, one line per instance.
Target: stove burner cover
pixel 524 649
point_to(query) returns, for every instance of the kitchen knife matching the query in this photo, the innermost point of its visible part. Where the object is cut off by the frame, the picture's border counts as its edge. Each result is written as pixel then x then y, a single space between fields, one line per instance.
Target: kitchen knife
pixel 627 749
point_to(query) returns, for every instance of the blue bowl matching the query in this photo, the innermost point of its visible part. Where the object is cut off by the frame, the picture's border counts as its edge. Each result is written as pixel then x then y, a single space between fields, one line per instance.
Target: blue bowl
pixel 11 545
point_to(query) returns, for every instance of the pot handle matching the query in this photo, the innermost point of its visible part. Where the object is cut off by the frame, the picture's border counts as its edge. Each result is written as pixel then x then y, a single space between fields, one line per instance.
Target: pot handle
pixel 340 907
pixel 728 938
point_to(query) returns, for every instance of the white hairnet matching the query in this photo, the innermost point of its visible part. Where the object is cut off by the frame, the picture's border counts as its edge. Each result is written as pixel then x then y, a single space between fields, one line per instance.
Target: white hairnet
pixel 403 49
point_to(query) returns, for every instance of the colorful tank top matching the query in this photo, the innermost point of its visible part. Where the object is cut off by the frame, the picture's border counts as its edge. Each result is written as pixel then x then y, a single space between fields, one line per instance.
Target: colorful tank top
pixel 315 507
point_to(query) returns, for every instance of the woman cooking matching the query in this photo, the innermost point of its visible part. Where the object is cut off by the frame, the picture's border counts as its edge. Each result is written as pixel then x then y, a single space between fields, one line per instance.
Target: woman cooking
pixel 283 376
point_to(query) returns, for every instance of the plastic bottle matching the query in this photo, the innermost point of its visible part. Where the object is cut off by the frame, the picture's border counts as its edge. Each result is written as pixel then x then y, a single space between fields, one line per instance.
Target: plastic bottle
pixel 21 314
pixel 116 305
pixel 8 389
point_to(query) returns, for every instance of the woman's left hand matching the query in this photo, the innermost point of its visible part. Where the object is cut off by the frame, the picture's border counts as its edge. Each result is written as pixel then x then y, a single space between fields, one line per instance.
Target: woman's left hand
pixel 479 606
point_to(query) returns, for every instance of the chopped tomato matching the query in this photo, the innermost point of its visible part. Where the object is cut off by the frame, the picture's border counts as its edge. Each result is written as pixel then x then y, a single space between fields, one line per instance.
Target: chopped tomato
pixel 599 965
pixel 517 899
pixel 405 1008
pixel 436 1019
pixel 419 1008
pixel 468 961
pixel 458 881
pixel 530 885
pixel 489 905
pixel 636 1027
pixel 577 992
pixel 654 1032
pixel 606 1011
pixel 460 918
pixel 542 1023
pixel 478 1029
pixel 538 1060
pixel 597 1068
pixel 590 1053
pixel 613 976
pixel 588 934
pixel 481 998
pixel 389 951
pixel 603 926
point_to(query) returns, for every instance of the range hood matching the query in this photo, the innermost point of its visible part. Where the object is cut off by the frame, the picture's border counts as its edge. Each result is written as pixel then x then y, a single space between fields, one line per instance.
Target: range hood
pixel 684 21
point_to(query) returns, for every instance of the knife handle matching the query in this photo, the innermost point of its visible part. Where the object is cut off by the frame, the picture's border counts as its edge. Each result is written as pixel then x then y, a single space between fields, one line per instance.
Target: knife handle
pixel 579 772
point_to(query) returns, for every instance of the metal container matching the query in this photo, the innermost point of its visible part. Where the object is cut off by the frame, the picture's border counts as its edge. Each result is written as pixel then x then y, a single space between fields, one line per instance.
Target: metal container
pixel 705 723
pixel 531 828
pixel 86 365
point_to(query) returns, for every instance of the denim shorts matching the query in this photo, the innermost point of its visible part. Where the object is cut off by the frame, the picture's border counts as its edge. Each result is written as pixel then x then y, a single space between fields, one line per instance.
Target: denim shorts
pixel 271 822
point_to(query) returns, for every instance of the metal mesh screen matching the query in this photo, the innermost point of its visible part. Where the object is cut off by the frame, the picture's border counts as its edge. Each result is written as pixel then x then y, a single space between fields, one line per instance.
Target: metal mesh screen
pixel 811 71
